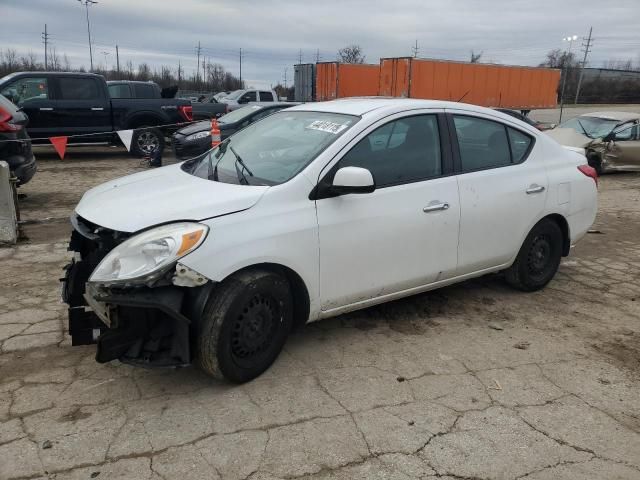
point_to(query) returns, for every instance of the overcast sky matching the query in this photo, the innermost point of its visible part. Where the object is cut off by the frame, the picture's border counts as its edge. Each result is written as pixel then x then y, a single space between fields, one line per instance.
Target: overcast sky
pixel 271 33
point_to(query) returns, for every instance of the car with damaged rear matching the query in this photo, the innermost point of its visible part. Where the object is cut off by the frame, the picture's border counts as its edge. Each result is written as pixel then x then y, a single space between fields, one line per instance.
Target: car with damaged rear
pixel 312 212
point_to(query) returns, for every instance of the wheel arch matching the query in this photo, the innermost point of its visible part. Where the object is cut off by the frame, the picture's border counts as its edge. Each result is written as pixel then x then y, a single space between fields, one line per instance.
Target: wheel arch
pixel 144 119
pixel 564 227
pixel 299 290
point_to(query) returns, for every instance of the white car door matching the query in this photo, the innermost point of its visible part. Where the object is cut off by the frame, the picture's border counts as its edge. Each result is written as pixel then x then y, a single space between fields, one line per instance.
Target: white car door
pixel 402 235
pixel 503 186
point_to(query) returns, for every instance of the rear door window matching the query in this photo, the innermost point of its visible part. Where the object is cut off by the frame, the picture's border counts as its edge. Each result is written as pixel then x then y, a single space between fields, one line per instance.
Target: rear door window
pixel 26 88
pixel 266 97
pixel 144 91
pixel 487 144
pixel 120 90
pixel 77 88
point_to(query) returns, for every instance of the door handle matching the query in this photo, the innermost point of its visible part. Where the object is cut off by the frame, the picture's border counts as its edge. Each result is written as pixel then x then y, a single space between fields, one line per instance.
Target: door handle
pixel 46 109
pixel 435 207
pixel 97 109
pixel 535 188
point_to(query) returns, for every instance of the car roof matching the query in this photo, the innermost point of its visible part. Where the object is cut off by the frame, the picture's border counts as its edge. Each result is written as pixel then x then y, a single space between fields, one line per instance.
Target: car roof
pixel 362 105
pixel 610 115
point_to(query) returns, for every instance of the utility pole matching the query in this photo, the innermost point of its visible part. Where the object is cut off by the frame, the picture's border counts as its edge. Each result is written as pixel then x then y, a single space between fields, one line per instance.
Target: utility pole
pixel 45 40
pixel 86 4
pixel 179 73
pixel 300 57
pixel 117 60
pixel 285 76
pixel 317 55
pixel 198 50
pixel 587 49
pixel 240 67
pixel 204 72
pixel 415 49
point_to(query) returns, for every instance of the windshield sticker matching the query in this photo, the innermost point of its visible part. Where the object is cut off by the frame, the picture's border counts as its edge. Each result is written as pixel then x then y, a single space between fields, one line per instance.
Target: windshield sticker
pixel 329 127
pixel 256 107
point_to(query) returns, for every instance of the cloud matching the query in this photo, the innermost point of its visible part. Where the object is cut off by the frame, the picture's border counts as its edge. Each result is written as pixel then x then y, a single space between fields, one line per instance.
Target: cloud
pixel 272 33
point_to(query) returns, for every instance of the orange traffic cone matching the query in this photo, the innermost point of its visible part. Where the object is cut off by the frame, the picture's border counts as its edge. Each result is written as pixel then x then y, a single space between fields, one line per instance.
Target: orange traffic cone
pixel 215 133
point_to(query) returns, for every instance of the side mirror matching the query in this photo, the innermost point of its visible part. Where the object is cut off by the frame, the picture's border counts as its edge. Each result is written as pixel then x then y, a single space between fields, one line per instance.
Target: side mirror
pixel 352 180
pixel 610 137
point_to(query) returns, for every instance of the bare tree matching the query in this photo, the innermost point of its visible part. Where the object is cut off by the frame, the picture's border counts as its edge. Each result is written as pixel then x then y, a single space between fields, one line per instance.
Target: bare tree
pixel 66 64
pixel 351 54
pixel 475 57
pixel 54 60
pixel 560 59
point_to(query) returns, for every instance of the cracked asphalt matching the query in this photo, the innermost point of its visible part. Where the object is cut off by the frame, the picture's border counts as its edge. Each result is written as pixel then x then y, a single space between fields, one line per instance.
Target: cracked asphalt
pixel 473 381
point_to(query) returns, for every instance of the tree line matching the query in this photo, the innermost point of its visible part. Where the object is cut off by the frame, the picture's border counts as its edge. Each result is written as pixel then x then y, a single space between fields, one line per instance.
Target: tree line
pixel 211 77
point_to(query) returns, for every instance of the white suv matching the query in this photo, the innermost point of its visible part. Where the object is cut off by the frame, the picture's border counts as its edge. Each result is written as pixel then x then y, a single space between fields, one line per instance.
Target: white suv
pixel 311 212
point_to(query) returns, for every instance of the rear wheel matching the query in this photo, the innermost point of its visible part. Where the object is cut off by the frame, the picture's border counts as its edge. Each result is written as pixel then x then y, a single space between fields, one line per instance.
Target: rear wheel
pixel 245 325
pixel 538 259
pixel 146 142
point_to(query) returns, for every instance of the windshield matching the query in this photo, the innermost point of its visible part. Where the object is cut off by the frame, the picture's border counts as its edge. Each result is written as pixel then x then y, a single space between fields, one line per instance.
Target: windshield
pixel 592 127
pixel 273 150
pixel 238 115
pixel 234 95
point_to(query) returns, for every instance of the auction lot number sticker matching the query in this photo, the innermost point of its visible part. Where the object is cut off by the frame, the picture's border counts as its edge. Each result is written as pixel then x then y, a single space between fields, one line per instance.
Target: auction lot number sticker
pixel 329 127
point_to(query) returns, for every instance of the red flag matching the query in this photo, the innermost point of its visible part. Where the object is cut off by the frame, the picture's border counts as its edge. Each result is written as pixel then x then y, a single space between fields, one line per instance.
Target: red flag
pixel 60 144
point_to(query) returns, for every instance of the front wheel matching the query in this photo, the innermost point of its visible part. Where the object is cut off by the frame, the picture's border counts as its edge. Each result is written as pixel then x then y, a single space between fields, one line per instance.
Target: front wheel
pixel 538 259
pixel 244 325
pixel 145 142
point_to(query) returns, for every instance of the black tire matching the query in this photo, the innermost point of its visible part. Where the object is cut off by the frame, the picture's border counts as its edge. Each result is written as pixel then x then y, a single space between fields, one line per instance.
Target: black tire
pixel 146 141
pixel 244 325
pixel 538 259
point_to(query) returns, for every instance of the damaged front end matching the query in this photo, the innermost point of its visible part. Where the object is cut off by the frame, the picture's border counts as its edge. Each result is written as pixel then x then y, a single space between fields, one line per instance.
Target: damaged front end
pixel 136 310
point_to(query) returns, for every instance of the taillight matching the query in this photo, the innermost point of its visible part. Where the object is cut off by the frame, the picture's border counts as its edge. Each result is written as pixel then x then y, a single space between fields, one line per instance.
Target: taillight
pixel 589 172
pixel 186 111
pixel 5 118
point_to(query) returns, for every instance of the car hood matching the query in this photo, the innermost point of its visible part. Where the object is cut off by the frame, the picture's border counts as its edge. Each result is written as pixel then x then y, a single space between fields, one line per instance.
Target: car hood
pixel 205 125
pixel 163 195
pixel 569 137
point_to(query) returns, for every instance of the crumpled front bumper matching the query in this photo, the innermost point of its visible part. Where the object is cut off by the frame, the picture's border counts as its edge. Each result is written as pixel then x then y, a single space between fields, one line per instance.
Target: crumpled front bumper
pixel 141 325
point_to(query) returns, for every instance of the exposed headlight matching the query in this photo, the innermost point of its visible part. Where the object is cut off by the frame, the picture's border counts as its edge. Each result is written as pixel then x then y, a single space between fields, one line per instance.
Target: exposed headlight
pixel 146 256
pixel 197 136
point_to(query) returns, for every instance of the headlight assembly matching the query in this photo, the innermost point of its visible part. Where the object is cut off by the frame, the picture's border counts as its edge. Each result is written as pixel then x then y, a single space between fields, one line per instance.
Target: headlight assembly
pixel 146 256
pixel 197 136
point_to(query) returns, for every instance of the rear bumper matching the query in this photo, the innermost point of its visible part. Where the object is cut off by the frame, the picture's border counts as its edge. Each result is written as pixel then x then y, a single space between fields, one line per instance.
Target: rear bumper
pixel 26 170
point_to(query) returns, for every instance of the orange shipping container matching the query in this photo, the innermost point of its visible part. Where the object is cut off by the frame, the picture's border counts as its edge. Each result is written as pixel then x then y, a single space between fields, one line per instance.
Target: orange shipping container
pixel 338 80
pixel 489 85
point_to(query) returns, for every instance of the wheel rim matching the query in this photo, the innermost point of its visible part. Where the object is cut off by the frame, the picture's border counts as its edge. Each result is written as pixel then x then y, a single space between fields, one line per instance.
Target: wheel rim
pixel 148 142
pixel 254 328
pixel 540 255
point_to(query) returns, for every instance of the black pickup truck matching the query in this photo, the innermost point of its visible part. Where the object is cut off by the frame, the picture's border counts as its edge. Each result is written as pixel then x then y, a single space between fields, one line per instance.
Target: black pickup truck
pixel 60 103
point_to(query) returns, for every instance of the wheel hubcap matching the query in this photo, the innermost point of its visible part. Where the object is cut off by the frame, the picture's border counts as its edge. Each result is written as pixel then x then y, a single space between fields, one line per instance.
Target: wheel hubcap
pixel 148 142
pixel 255 327
pixel 539 255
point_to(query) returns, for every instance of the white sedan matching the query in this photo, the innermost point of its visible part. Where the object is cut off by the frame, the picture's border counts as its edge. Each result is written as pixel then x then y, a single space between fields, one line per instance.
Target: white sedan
pixel 312 212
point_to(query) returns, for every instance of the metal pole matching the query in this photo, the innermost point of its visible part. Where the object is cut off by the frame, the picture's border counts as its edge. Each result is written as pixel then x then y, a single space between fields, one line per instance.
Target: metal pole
pixel 46 39
pixel 564 78
pixel 86 6
pixel 240 67
pixel 584 63
pixel 198 67
pixel 117 60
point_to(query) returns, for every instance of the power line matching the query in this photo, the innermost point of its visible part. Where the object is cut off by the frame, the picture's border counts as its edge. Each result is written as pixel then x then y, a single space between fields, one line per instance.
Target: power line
pixel 586 49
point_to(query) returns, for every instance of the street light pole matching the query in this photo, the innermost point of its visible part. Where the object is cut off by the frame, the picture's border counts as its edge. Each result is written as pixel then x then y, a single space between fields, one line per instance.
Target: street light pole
pixel 565 71
pixel 86 4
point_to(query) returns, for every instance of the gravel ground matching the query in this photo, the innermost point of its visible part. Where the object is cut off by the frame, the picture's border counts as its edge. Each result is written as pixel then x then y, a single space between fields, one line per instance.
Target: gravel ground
pixel 471 381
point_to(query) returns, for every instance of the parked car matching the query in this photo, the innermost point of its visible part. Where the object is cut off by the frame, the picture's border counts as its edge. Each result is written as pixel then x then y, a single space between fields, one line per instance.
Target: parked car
pixel 68 104
pixel 18 155
pixel 208 108
pixel 314 211
pixel 195 139
pixel 610 140
pixel 220 95
pixel 523 118
pixel 240 98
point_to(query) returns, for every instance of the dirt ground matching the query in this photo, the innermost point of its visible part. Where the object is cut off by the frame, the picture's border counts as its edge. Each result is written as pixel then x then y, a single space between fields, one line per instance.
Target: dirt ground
pixel 473 381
